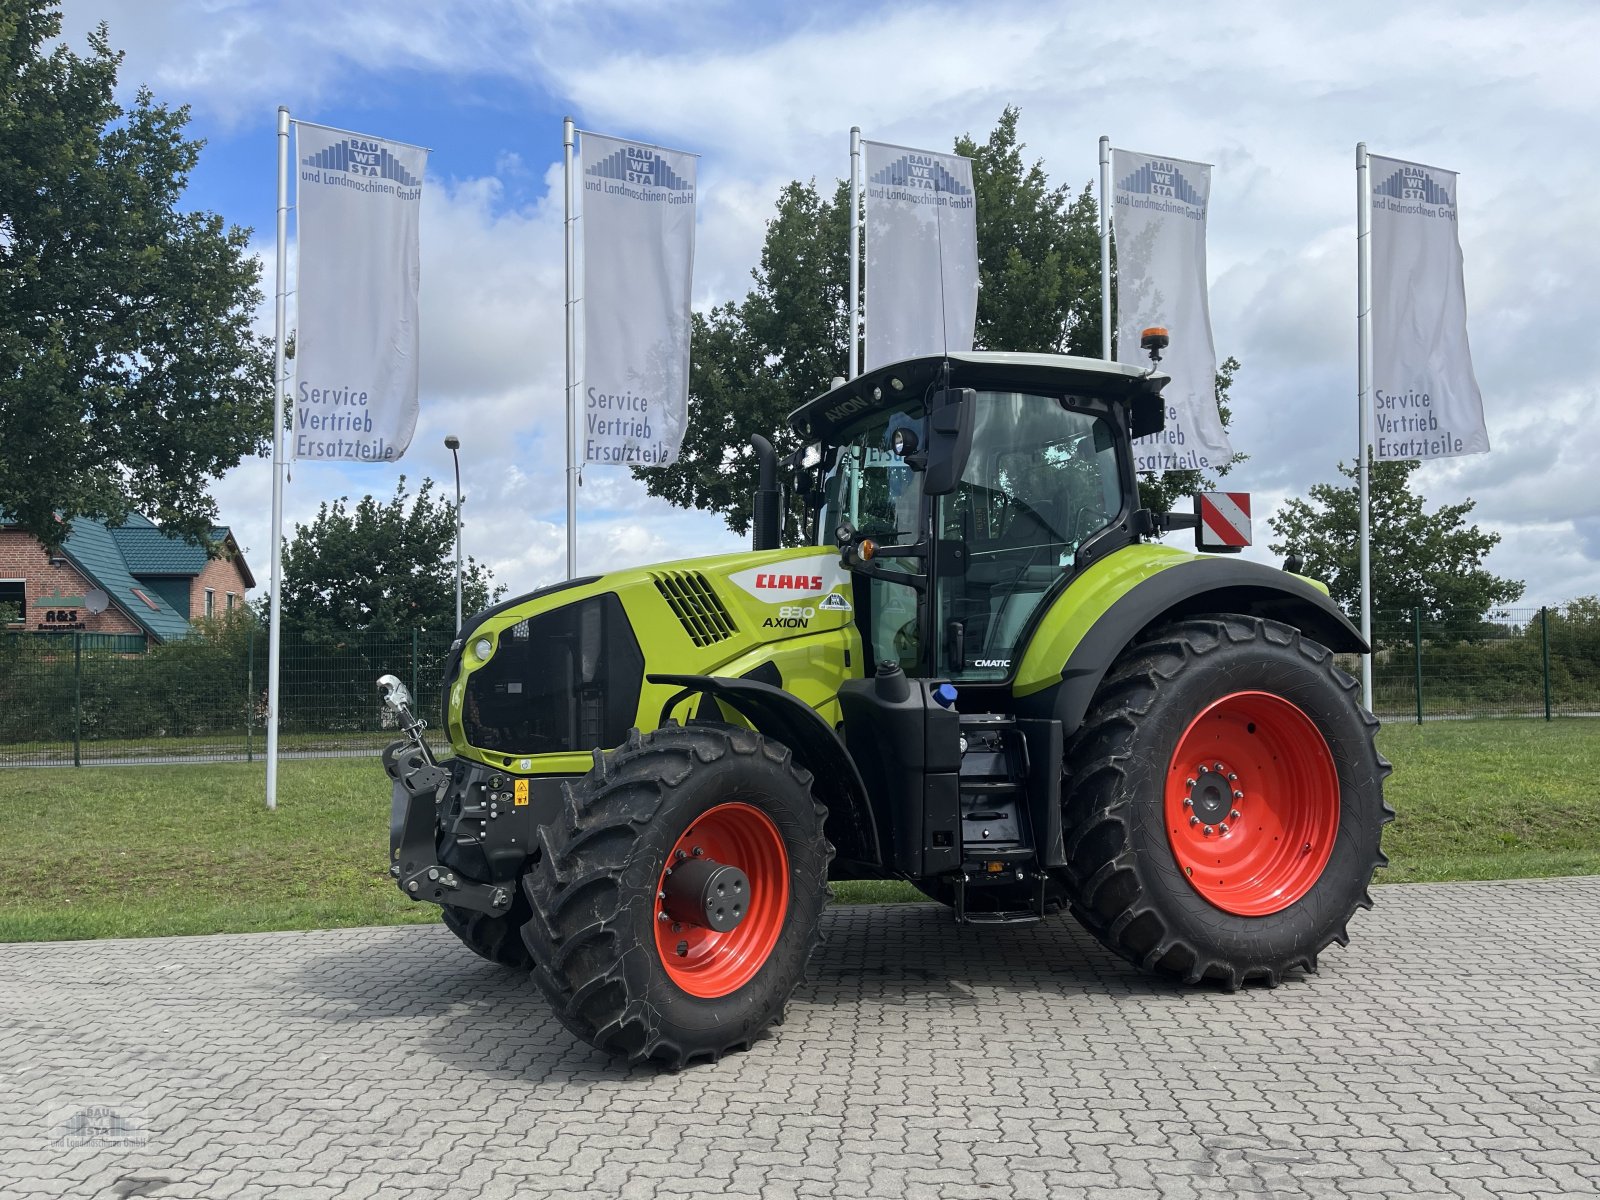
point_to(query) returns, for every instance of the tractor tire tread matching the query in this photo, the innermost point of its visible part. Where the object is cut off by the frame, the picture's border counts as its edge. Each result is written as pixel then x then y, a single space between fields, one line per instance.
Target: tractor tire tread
pixel 1107 897
pixel 575 889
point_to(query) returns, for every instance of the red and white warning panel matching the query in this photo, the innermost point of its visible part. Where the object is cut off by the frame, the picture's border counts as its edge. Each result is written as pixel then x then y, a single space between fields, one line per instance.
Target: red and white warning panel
pixel 1224 520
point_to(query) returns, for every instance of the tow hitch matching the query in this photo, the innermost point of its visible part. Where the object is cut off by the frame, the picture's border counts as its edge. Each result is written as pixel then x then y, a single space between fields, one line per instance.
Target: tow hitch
pixel 418 782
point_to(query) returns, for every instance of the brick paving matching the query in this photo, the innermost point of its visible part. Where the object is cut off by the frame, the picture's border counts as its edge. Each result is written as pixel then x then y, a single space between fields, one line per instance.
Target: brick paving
pixel 1452 1051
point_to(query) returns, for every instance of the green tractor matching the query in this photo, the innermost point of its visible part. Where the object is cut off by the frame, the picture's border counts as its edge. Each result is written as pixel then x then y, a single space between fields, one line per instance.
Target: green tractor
pixel 980 675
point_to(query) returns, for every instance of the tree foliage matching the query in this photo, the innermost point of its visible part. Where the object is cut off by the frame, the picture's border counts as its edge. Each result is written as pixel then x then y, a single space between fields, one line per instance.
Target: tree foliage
pixel 1420 560
pixel 130 373
pixel 386 566
pixel 754 361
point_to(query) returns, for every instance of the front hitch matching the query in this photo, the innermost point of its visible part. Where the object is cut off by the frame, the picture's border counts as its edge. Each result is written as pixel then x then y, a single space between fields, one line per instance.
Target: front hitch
pixel 418 782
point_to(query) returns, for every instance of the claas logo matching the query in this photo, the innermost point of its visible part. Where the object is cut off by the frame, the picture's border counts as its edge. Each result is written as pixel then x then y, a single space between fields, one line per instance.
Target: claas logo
pixel 798 583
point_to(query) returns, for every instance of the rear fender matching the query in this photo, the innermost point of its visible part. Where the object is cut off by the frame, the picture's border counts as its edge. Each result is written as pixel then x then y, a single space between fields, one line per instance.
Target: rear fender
pixel 1192 587
pixel 836 782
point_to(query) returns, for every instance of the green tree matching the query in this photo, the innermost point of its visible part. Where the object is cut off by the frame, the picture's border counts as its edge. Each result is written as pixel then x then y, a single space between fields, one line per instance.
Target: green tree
pixel 1038 252
pixel 752 362
pixel 130 373
pixel 1431 561
pixel 388 566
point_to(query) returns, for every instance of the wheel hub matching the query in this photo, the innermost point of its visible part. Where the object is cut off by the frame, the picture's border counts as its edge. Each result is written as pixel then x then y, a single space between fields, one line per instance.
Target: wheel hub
pixel 1212 794
pixel 710 894
pixel 721 899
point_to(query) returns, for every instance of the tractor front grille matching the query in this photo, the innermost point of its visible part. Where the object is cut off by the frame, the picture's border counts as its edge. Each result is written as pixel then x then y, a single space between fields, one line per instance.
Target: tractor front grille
pixel 705 618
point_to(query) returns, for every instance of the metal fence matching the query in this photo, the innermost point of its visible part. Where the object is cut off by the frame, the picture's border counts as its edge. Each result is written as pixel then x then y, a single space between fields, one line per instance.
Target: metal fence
pixel 76 699
pixel 71 700
pixel 1521 662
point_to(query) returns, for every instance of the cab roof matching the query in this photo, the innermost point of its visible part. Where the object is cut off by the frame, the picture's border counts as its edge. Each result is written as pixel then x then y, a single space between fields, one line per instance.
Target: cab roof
pixel 991 370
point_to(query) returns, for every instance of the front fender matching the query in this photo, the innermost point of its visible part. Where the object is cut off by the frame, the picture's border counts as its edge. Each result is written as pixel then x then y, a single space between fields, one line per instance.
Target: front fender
pixel 1121 597
pixel 836 782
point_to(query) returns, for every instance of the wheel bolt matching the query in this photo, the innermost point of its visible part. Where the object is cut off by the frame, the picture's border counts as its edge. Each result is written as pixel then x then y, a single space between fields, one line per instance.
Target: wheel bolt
pixel 1188 802
pixel 698 852
pixel 661 916
pixel 682 854
pixel 1223 828
pixel 1234 815
pixel 1189 783
pixel 1232 777
pixel 1194 820
pixel 1238 795
pixel 1209 831
pixel 1221 768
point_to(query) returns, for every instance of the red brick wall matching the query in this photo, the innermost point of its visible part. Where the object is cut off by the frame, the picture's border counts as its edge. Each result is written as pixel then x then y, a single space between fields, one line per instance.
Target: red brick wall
pixel 222 576
pixel 23 558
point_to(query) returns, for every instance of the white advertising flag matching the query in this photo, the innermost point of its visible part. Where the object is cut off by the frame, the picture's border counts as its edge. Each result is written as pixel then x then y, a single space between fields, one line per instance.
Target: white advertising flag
pixel 355 352
pixel 1425 398
pixel 922 254
pixel 1159 214
pixel 638 266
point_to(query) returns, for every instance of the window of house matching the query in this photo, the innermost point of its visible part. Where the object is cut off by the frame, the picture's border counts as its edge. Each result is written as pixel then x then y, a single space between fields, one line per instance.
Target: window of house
pixel 211 601
pixel 14 599
pixel 231 599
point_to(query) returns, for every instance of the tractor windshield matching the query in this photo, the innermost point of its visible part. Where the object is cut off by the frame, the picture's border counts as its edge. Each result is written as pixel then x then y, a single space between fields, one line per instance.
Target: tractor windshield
pixel 1042 478
pixel 881 496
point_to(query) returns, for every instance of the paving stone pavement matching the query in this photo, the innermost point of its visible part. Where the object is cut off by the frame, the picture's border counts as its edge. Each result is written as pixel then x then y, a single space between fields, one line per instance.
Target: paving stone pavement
pixel 1452 1051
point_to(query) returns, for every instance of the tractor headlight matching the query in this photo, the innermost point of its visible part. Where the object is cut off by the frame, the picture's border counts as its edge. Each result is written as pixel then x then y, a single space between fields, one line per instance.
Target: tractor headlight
pixel 483 648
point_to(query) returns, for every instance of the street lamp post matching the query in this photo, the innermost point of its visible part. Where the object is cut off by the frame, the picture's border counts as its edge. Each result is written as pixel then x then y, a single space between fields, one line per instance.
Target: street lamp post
pixel 454 444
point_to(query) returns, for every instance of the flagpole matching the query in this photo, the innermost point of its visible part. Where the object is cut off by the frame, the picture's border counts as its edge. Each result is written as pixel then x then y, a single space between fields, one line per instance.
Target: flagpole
pixel 275 628
pixel 855 251
pixel 1105 247
pixel 572 418
pixel 1364 390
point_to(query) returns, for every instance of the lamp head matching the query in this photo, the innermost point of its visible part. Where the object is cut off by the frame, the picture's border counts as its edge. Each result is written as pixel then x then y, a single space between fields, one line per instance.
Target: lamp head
pixel 452 442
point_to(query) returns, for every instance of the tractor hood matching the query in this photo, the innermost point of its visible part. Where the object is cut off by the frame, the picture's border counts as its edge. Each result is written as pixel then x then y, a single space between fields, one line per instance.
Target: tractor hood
pixel 559 672
pixel 1140 388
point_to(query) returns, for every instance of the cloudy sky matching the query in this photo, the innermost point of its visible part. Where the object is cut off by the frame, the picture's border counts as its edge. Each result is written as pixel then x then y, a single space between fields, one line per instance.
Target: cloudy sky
pixel 1276 96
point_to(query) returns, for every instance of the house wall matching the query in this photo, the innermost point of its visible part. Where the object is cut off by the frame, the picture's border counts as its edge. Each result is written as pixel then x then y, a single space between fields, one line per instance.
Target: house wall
pixel 21 557
pixel 221 575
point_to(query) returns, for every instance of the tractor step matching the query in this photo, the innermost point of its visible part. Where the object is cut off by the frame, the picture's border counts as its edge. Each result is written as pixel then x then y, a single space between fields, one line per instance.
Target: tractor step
pixel 1015 916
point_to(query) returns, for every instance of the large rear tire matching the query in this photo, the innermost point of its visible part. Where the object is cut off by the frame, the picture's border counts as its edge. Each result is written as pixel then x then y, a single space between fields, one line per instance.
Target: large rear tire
pixel 622 971
pixel 1225 803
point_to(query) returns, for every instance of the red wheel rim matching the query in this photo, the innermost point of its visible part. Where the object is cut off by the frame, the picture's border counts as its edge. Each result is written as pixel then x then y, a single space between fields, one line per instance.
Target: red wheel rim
pixel 1252 803
pixel 708 963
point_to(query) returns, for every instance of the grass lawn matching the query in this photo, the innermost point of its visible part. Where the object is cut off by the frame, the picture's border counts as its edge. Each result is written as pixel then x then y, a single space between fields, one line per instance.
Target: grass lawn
pixel 137 851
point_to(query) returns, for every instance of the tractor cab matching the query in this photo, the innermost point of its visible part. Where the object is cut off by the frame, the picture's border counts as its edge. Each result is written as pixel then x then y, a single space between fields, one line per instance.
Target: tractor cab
pixel 968 489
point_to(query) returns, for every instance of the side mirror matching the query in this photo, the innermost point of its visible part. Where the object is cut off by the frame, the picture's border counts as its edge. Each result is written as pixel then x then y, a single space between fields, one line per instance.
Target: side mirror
pixel 951 413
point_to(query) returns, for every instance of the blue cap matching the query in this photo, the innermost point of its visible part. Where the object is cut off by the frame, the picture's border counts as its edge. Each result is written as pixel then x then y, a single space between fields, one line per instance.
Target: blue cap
pixel 945 694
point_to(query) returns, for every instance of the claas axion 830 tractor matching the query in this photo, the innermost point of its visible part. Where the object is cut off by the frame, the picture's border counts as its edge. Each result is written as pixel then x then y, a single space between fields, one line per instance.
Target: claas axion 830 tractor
pixel 982 677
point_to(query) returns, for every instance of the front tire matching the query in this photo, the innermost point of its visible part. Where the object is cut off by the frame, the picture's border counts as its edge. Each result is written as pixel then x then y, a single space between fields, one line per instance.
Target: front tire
pixel 621 971
pixel 496 938
pixel 1225 803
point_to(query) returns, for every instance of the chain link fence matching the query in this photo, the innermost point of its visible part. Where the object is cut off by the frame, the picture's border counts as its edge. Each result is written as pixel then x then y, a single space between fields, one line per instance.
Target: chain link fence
pixel 76 699
pixel 1517 662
